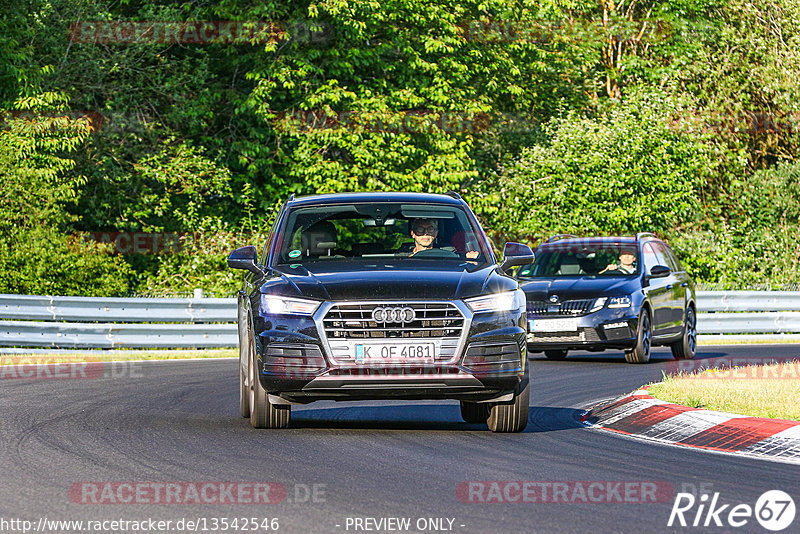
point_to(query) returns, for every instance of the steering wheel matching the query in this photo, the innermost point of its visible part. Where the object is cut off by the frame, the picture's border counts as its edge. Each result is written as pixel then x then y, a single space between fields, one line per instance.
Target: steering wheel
pixel 435 253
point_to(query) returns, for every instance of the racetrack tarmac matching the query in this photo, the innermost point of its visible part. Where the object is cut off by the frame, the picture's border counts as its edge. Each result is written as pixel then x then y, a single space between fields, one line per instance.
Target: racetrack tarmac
pixel 176 422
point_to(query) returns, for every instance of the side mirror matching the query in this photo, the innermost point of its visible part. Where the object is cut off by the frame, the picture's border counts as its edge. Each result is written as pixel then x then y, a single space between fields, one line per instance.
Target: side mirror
pixel 659 271
pixel 245 258
pixel 516 254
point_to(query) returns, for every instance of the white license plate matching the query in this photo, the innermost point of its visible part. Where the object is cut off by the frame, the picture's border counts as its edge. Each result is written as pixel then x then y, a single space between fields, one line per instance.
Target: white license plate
pixel 554 325
pixel 395 351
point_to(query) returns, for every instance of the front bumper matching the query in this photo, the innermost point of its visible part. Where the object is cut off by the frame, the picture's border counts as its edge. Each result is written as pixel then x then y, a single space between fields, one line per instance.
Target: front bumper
pixel 298 363
pixel 601 330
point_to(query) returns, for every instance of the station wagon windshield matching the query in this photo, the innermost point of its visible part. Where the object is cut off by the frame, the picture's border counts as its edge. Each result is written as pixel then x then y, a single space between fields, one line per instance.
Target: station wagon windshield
pixel 585 259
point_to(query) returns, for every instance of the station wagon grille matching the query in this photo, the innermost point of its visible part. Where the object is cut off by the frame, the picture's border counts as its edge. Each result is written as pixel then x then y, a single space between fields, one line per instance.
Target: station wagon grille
pixel 583 335
pixel 568 308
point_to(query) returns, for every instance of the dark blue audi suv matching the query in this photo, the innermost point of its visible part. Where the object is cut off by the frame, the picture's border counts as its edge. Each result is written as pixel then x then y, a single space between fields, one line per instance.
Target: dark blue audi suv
pixel 382 296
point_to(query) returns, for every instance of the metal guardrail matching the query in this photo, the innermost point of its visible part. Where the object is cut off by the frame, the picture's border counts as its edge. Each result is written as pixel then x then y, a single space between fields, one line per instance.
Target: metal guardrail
pixel 88 322
pixel 748 301
pixel 117 335
pixel 748 312
pixel 129 310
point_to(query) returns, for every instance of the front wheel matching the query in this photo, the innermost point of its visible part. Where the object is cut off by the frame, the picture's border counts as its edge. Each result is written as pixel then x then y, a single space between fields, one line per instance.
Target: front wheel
pixel 512 417
pixel 644 338
pixel 686 348
pixel 244 392
pixel 264 414
pixel 474 412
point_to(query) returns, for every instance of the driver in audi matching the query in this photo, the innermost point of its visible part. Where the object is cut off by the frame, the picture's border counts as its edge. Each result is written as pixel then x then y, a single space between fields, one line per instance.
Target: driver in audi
pixel 424 232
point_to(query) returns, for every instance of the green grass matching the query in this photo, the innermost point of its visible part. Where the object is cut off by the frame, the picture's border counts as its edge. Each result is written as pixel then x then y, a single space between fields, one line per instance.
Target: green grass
pixel 771 391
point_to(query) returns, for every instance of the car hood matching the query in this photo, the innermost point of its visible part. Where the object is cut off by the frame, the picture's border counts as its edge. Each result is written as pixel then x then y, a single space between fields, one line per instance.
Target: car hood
pixel 578 288
pixel 420 279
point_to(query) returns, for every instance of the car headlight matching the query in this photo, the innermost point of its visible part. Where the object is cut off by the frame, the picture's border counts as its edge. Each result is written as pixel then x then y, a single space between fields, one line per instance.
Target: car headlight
pixel 275 304
pixel 499 302
pixel 620 302
pixel 598 304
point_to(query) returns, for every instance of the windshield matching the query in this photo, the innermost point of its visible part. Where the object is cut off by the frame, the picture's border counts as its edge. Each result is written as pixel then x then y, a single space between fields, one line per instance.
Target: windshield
pixel 583 259
pixel 379 230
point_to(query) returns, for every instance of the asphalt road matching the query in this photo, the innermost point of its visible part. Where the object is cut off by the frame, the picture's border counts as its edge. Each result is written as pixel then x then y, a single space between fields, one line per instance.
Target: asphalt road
pixel 177 422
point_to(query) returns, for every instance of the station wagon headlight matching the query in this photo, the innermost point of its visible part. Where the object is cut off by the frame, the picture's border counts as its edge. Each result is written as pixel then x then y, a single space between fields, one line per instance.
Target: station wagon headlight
pixel 275 304
pixel 500 302
pixel 598 304
pixel 620 302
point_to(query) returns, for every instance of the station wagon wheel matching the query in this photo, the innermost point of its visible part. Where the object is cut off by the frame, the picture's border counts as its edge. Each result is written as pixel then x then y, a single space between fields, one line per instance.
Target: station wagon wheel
pixel 644 338
pixel 686 348
pixel 555 354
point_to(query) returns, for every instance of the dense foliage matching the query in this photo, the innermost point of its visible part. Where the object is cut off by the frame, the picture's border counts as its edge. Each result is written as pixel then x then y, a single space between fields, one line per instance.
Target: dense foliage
pixel 582 116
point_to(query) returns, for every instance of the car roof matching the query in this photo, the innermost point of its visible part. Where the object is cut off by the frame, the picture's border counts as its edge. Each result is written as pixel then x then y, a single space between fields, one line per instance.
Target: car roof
pixel 572 242
pixel 349 198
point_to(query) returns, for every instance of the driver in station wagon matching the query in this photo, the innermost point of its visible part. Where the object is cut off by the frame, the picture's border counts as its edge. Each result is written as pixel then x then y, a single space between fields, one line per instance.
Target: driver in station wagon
pixel 424 232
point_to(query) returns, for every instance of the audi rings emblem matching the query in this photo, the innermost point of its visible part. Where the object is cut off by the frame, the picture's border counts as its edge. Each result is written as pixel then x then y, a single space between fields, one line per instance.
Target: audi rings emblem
pixel 385 314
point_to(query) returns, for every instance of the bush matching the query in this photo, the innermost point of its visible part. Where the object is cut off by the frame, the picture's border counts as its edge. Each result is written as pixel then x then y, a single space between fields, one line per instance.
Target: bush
pixel 625 171
pixel 44 262
pixel 200 264
pixel 730 258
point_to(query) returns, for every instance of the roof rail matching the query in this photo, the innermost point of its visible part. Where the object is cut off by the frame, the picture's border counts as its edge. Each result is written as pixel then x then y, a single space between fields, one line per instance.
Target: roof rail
pixel 291 197
pixel 645 234
pixel 453 194
pixel 560 236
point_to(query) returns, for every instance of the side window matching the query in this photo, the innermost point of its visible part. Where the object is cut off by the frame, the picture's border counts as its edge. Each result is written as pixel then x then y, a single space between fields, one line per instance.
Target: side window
pixel 662 256
pixel 650 257
pixel 673 258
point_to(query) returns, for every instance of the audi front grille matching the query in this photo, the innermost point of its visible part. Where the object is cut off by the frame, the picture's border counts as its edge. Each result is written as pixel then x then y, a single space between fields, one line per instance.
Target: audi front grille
pixel 346 323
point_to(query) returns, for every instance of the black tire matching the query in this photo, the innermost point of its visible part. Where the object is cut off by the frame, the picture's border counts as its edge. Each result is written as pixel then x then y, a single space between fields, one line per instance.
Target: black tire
pixel 644 340
pixel 686 348
pixel 555 354
pixel 474 412
pixel 511 417
pixel 263 414
pixel 244 392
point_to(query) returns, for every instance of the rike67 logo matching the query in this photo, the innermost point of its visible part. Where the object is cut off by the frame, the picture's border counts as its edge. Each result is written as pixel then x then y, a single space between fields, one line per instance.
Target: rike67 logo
pixel 774 510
